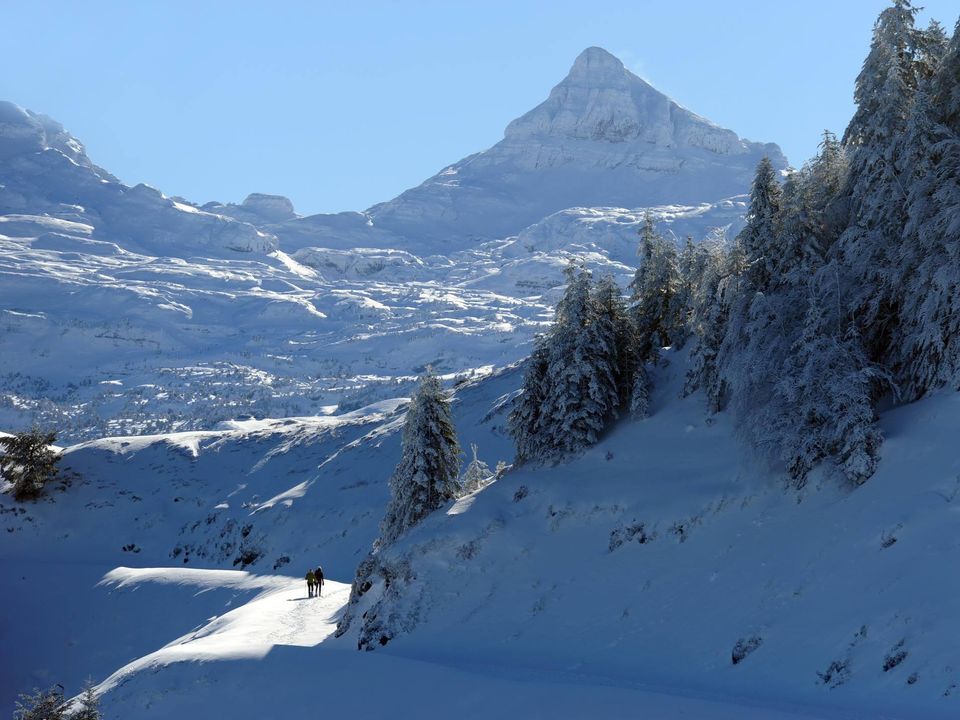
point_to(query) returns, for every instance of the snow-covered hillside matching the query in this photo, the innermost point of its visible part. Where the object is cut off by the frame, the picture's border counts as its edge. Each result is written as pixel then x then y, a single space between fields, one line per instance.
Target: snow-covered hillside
pixel 622 582
pixel 125 311
pixel 273 497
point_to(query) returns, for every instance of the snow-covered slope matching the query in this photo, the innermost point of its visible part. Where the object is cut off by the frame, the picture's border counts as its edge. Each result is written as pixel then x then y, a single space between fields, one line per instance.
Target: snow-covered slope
pixel 622 581
pixel 270 496
pixel 101 340
pixel 665 554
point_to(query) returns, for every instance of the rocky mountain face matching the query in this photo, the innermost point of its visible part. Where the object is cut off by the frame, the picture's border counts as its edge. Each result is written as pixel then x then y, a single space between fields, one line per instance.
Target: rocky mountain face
pixel 604 137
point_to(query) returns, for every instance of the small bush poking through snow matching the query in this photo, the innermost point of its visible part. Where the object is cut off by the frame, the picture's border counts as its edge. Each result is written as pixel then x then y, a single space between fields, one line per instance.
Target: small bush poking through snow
pixel 743 647
pixel 896 656
pixel 836 674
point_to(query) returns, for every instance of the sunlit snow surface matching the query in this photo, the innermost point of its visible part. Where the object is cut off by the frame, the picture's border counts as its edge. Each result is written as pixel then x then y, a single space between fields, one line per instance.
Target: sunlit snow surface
pixel 535 596
pixel 282 630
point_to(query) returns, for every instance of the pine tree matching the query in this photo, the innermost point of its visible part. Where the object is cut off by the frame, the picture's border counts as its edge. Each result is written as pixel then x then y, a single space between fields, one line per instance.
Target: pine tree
pixel 640 394
pixel 28 462
pixel 41 705
pixel 618 333
pixel 524 423
pixel 825 203
pixel 885 85
pixel 826 391
pixel 581 378
pixel 690 264
pixel 759 240
pixel 427 475
pixel 929 354
pixel 708 318
pixel 89 708
pixel 656 283
pixel 884 92
pixel 754 324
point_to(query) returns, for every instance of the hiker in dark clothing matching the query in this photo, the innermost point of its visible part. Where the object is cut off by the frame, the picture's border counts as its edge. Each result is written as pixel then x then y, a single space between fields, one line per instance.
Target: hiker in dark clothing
pixel 311 583
pixel 318 579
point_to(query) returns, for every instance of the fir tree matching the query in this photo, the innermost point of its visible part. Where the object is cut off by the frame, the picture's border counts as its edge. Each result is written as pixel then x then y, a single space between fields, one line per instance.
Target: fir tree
pixel 41 705
pixel 89 704
pixel 929 353
pixel 690 263
pixel 618 333
pixel 656 283
pixel 581 378
pixel 884 92
pixel 427 475
pixel 640 394
pixel 826 392
pixel 524 423
pixel 476 475
pixel 28 462
pixel 759 240
pixel 709 314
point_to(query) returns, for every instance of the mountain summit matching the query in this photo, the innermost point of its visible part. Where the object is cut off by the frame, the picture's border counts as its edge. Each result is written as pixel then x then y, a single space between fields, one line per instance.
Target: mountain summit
pixel 601 100
pixel 604 137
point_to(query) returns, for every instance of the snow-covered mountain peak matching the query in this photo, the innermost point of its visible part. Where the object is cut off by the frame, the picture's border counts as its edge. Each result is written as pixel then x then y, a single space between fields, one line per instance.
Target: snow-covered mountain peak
pixel 597 64
pixel 600 99
pixel 603 138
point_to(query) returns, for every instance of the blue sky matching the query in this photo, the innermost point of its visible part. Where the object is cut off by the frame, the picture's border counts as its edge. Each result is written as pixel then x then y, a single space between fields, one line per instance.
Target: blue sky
pixel 342 105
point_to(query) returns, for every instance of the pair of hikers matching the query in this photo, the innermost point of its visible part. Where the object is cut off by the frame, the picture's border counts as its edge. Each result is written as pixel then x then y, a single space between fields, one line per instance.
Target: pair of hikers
pixel 314 582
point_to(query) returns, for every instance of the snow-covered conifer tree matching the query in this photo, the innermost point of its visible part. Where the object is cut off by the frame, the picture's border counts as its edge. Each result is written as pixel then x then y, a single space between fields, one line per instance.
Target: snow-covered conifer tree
pixel 826 392
pixel 690 262
pixel 615 327
pixel 524 423
pixel 476 475
pixel 759 239
pixel 708 319
pixel 581 377
pixel 929 354
pixel 653 303
pixel 427 475
pixel 884 92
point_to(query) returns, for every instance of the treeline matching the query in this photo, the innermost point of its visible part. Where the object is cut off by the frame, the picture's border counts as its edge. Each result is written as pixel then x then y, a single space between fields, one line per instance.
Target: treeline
pixel 843 287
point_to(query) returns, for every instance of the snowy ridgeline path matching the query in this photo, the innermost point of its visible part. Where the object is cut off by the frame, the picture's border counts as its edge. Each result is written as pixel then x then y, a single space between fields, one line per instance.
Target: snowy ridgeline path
pixel 278 670
pixel 281 613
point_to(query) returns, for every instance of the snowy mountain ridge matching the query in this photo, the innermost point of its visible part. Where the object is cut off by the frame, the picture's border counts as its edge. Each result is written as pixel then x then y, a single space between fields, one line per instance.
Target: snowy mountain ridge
pixel 153 296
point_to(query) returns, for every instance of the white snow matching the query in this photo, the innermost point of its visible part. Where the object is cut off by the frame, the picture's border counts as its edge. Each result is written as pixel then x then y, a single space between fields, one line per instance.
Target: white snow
pixel 614 586
pixel 548 604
